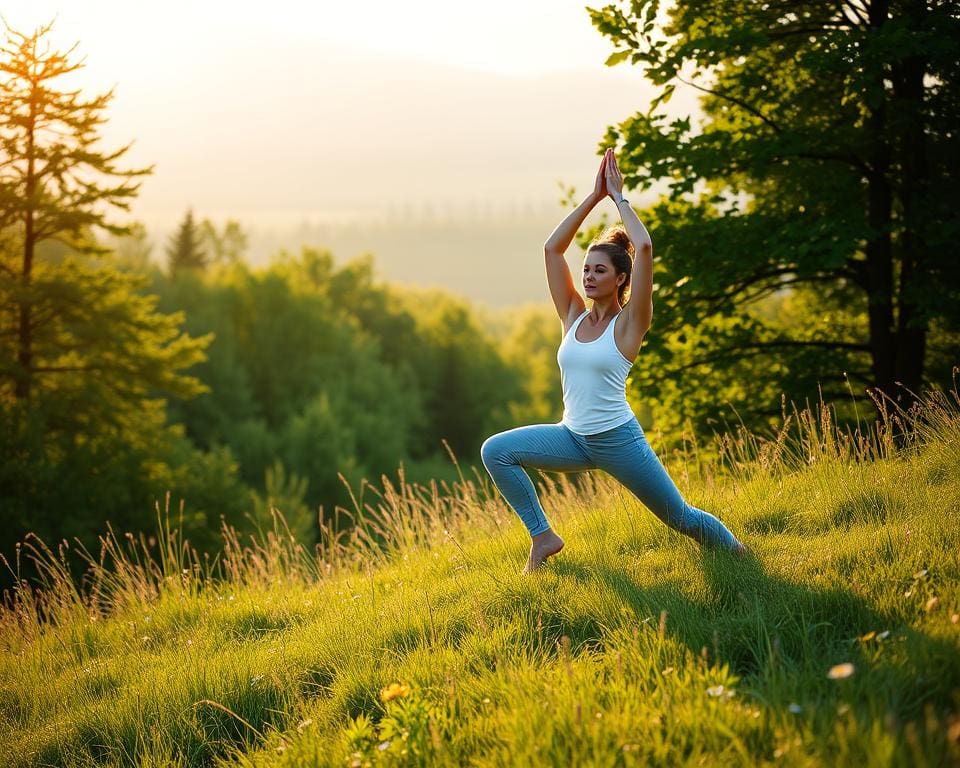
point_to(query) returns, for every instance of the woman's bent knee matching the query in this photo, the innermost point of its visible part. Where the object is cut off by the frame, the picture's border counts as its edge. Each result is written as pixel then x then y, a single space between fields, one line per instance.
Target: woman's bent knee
pixel 492 450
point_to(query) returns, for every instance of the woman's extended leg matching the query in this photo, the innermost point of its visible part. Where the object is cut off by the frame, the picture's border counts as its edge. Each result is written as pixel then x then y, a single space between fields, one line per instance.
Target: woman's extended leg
pixel 541 446
pixel 625 453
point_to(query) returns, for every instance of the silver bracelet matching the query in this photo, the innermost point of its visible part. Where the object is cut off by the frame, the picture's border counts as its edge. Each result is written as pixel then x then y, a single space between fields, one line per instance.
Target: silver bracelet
pixel 622 200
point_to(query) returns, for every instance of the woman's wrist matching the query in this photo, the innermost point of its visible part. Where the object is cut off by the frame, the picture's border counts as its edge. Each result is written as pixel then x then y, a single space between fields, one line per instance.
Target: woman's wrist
pixel 591 201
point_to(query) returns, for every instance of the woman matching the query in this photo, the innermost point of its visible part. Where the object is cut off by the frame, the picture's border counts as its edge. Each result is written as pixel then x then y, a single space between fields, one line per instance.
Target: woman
pixel 598 430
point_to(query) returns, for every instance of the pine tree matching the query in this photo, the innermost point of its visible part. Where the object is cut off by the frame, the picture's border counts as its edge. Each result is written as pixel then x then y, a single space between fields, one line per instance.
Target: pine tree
pixel 84 354
pixel 67 319
pixel 185 251
pixel 55 185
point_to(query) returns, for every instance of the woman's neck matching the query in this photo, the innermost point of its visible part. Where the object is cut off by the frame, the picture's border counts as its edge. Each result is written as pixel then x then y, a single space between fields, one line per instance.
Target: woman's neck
pixel 604 309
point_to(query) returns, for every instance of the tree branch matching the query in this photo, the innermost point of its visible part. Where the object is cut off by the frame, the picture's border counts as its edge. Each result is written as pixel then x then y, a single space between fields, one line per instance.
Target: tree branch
pixel 754 279
pixel 738 102
pixel 850 159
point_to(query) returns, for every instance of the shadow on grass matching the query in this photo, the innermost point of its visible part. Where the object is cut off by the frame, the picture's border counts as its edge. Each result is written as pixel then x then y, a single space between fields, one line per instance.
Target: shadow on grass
pixel 781 638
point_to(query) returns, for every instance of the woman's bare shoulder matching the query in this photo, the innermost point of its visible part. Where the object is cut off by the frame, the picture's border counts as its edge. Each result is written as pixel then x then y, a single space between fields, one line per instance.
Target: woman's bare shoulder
pixel 577 308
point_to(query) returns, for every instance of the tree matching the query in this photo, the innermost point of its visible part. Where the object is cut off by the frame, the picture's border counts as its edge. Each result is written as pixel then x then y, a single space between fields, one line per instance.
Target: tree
pixel 227 247
pixel 826 162
pixel 51 185
pixel 84 355
pixel 74 319
pixel 185 251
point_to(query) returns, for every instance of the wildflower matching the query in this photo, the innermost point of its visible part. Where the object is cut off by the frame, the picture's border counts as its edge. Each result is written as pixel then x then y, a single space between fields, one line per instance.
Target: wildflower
pixel 666 671
pixel 717 691
pixel 884 635
pixel 303 724
pixel 841 671
pixel 383 745
pixel 867 637
pixel 932 603
pixel 394 691
pixel 795 709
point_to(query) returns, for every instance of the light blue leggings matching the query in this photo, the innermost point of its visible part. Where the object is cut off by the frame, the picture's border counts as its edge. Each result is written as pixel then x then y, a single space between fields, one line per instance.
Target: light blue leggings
pixel 622 451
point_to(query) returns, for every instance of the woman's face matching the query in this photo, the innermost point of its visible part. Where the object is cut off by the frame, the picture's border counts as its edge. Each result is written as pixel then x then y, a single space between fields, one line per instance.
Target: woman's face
pixel 600 279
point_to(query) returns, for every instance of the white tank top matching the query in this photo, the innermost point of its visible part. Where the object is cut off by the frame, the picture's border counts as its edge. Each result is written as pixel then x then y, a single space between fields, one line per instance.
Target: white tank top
pixel 594 379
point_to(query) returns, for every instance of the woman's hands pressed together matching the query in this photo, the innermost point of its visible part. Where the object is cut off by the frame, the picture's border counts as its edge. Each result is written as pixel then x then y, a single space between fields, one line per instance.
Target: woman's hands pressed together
pixel 613 179
pixel 600 186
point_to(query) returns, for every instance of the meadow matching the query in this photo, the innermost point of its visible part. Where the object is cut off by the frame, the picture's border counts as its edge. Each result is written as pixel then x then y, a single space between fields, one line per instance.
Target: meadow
pixel 410 637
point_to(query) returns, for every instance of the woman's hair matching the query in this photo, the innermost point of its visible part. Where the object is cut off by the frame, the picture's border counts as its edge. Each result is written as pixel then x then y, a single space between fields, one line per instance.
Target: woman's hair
pixel 615 242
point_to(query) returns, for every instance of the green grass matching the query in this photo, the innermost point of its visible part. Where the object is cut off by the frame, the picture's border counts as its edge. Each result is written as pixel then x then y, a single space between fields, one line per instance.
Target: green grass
pixel 632 647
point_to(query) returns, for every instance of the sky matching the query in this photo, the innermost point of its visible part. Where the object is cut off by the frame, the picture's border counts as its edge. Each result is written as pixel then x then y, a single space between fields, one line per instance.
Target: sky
pixel 292 107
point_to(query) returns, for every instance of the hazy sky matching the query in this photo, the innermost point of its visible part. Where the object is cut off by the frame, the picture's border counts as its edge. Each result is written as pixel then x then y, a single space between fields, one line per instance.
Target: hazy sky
pixel 289 110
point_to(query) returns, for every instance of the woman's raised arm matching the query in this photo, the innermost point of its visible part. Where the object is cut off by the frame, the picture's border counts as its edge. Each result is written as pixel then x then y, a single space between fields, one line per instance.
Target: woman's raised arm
pixel 639 308
pixel 566 299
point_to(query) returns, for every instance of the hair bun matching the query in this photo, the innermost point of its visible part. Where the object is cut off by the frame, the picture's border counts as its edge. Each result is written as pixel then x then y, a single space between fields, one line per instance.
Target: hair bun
pixel 617 235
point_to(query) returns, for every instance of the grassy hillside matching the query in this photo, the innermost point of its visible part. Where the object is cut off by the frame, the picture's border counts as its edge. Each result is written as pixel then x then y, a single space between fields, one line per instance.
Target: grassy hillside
pixel 415 640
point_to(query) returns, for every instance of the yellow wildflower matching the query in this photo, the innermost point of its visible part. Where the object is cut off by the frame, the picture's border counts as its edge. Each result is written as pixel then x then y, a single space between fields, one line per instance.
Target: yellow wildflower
pixel 394 691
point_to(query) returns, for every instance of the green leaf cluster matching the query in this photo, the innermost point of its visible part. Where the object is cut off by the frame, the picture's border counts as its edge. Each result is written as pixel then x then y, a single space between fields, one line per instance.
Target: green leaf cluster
pixel 820 171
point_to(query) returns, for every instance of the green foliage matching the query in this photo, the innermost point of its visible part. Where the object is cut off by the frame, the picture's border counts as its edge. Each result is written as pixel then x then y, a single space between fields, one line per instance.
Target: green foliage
pixel 319 373
pixel 85 357
pixel 530 346
pixel 467 386
pixel 823 165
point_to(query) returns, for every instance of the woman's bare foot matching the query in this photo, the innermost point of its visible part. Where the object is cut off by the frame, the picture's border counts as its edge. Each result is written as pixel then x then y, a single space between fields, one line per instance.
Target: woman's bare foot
pixel 544 545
